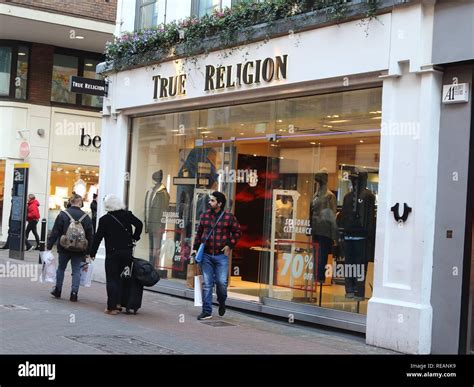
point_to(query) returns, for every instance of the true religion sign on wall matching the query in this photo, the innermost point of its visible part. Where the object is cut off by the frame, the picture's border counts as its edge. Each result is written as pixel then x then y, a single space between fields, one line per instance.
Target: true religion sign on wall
pixel 225 77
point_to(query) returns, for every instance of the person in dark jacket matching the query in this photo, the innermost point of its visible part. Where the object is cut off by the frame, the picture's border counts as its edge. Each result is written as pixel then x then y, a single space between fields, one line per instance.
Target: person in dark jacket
pixel 60 227
pixel 94 212
pixel 32 217
pixel 116 228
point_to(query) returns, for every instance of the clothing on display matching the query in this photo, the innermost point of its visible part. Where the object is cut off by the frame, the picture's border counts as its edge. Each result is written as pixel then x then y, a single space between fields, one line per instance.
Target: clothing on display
pixel 357 219
pixel 156 203
pixel 323 223
pixel 283 211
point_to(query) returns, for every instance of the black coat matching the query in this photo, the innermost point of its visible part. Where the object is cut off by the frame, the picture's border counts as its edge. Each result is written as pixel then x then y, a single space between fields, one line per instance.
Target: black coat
pixel 61 225
pixel 117 237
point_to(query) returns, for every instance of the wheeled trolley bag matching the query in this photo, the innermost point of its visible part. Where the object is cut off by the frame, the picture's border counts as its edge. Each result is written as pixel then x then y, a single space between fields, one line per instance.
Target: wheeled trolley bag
pixel 132 295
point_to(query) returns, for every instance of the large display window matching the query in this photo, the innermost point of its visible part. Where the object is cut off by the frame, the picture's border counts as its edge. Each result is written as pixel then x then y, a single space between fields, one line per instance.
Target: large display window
pixel 69 178
pixel 301 176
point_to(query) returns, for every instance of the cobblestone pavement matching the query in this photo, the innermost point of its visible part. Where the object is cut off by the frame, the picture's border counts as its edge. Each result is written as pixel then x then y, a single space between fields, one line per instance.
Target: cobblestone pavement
pixel 33 322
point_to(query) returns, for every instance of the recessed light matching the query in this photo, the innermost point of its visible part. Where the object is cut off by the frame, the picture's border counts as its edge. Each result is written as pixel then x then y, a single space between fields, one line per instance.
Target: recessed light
pixel 206 132
pixel 312 143
pixel 21 54
pixel 241 133
pixel 376 118
pixel 254 155
pixel 241 124
pixel 335 116
pixel 361 140
pixel 281 158
pixel 279 120
pixel 79 37
pixel 89 64
pixel 338 121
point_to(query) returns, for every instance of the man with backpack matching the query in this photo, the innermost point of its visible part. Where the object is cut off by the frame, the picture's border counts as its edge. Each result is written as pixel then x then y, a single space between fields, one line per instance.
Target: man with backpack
pixel 73 228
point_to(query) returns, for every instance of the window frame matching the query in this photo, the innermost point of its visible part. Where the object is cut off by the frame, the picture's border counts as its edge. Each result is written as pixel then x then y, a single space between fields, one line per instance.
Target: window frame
pixel 14 45
pixel 195 8
pixel 138 13
pixel 81 57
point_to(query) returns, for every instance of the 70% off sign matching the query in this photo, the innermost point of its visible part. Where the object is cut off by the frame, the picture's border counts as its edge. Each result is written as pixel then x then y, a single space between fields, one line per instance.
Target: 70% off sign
pixel 298 263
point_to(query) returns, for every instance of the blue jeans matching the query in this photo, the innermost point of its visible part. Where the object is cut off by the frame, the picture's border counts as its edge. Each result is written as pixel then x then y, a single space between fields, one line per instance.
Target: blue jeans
pixel 215 269
pixel 76 261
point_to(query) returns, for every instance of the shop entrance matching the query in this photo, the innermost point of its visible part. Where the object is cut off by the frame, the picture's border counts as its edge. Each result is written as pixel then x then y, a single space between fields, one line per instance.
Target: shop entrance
pixel 264 156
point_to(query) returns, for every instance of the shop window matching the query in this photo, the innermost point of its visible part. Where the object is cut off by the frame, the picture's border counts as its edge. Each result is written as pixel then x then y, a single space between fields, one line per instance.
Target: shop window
pixel 14 71
pixel 292 170
pixel 147 14
pixel 69 178
pixel 2 189
pixel 66 66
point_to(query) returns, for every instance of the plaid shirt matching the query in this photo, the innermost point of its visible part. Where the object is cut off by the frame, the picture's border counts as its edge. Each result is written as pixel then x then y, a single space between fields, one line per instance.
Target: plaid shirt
pixel 226 233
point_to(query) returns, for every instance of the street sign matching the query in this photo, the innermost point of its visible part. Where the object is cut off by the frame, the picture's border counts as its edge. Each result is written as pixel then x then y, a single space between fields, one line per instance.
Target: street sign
pixel 456 93
pixel 24 149
pixel 18 214
pixel 88 86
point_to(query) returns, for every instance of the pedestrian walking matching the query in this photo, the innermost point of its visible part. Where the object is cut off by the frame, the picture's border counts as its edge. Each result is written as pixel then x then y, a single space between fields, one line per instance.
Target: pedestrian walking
pixel 94 212
pixel 220 230
pixel 73 229
pixel 32 217
pixel 120 237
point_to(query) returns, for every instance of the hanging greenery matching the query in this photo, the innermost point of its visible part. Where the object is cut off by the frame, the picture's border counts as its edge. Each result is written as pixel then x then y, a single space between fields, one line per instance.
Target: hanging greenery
pixel 186 38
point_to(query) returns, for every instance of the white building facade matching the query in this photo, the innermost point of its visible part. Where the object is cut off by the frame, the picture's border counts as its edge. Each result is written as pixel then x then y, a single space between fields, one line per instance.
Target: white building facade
pixel 336 98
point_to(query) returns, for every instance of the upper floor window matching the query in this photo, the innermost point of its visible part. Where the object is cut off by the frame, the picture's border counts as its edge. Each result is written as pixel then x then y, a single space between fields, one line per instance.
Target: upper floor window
pixel 200 8
pixel 64 67
pixel 147 14
pixel 13 71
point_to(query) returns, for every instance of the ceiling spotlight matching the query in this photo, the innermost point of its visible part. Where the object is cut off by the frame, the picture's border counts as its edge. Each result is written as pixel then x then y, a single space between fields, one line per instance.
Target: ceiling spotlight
pixel 280 121
pixel 79 37
pixel 312 143
pixel 361 141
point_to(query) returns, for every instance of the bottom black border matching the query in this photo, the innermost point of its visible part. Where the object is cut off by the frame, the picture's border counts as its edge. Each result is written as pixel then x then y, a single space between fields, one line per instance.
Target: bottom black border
pixel 225 369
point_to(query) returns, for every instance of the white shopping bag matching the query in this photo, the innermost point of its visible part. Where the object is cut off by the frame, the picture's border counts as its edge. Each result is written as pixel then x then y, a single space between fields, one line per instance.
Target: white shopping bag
pixel 198 290
pixel 86 274
pixel 48 271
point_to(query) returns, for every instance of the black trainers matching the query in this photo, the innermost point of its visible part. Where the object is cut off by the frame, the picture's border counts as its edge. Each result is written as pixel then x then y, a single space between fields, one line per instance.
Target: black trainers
pixel 221 309
pixel 73 297
pixel 204 316
pixel 56 293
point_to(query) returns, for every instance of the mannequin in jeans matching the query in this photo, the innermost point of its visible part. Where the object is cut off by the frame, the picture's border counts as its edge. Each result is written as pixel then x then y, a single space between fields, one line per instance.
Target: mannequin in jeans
pixel 358 221
pixel 323 224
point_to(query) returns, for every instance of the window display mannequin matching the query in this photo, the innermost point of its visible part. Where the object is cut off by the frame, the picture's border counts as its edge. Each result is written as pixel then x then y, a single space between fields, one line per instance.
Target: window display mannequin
pixel 283 211
pixel 323 223
pixel 357 218
pixel 156 202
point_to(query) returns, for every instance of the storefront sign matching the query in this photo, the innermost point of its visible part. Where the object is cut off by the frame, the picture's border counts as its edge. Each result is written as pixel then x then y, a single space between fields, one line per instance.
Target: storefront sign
pixel 87 141
pixel 456 93
pixel 169 87
pixel 225 77
pixel 88 86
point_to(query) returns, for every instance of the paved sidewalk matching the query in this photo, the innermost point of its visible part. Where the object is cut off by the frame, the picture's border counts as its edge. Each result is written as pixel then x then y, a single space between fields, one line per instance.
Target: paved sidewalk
pixel 33 322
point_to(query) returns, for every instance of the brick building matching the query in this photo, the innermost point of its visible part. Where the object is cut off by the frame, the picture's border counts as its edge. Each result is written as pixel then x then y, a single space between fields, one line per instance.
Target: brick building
pixel 42 44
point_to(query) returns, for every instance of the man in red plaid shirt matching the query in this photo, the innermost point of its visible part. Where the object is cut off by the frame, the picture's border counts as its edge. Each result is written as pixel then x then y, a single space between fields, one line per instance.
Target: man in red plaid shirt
pixel 220 241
